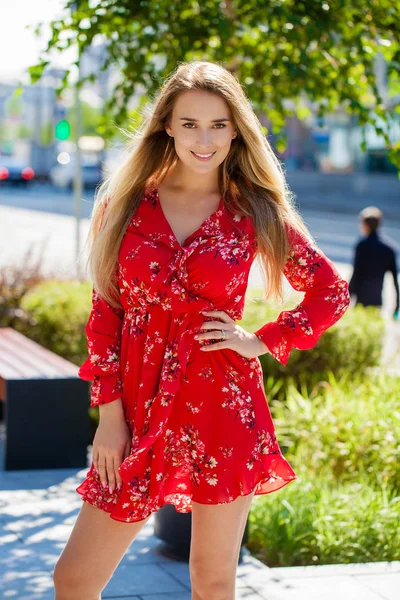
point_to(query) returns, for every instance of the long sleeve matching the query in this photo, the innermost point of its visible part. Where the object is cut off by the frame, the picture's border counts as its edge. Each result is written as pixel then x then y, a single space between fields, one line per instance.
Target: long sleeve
pixel 103 332
pixel 325 301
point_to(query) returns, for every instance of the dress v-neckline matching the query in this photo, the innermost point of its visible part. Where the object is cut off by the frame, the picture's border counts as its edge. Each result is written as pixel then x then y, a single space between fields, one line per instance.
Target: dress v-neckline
pixel 204 223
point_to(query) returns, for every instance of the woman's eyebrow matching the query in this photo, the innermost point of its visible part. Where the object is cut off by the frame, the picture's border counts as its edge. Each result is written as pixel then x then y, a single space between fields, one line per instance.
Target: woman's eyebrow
pixel 196 120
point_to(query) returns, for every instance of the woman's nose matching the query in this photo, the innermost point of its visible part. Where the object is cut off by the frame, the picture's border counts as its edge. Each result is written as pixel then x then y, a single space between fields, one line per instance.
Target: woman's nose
pixel 204 139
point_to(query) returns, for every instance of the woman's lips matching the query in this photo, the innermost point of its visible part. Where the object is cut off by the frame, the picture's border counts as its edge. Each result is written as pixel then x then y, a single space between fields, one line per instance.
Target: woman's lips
pixel 201 158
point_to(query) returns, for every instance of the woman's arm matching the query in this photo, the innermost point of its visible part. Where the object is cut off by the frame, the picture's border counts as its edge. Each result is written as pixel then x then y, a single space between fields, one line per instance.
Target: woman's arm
pixel 326 299
pixel 102 367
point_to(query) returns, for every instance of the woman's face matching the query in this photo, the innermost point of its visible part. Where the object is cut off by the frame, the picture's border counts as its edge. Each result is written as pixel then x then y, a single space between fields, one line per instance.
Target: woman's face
pixel 201 123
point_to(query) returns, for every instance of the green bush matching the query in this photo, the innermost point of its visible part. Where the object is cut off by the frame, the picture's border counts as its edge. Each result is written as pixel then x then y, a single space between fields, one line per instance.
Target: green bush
pixel 343 444
pixel 352 345
pixel 57 313
pixel 15 283
pixel 346 429
pixel 309 522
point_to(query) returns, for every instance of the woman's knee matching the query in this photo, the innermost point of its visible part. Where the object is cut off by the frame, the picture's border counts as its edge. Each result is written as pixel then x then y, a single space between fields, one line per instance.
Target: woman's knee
pixel 212 580
pixel 217 589
pixel 94 549
pixel 70 582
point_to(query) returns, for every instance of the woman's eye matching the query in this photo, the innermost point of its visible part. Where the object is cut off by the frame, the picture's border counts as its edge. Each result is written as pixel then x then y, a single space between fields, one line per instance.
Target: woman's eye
pixel 223 125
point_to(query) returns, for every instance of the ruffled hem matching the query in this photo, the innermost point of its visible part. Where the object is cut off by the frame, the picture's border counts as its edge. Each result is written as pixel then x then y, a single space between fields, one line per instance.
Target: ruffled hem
pixel 270 476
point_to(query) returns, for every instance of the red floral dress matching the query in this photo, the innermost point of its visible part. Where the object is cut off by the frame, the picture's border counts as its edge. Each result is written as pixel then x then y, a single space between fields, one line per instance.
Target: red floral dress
pixel 200 422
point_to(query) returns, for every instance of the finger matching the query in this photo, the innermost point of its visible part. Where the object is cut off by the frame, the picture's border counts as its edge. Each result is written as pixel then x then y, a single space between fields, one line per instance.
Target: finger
pixel 214 325
pixel 215 346
pixel 209 337
pixel 110 473
pixel 213 335
pixel 95 459
pixel 127 449
pixel 101 469
pixel 118 479
pixel 218 313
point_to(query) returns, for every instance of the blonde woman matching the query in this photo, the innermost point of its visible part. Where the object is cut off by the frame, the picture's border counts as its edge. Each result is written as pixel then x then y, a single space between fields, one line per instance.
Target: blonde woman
pixel 184 418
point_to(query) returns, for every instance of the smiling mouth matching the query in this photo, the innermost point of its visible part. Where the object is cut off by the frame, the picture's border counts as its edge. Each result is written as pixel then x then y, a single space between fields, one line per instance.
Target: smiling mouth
pixel 204 156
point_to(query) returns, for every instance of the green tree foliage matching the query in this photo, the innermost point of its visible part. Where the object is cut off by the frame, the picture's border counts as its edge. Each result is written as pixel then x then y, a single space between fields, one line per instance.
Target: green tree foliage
pixel 324 51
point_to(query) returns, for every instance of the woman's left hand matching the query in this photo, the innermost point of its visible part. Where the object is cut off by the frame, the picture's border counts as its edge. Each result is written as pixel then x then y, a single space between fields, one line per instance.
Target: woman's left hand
pixel 236 338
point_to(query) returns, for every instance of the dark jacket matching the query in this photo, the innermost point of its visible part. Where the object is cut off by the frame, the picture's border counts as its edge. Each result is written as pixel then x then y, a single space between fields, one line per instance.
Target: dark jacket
pixel 372 258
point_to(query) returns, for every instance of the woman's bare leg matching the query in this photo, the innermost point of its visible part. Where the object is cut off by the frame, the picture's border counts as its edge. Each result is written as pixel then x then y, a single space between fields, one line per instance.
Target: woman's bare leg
pixel 217 532
pixel 94 549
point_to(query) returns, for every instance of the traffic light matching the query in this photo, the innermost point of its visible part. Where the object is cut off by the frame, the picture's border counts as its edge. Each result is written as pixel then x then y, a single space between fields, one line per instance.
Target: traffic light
pixel 63 130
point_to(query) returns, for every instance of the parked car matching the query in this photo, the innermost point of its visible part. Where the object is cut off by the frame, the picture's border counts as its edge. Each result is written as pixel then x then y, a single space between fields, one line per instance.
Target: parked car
pixel 62 176
pixel 14 170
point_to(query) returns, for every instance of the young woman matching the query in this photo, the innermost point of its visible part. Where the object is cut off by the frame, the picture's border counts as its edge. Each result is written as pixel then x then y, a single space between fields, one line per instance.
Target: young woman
pixel 183 414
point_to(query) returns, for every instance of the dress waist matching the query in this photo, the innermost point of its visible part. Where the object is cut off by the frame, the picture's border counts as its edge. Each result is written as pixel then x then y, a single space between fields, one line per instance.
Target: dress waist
pixel 195 307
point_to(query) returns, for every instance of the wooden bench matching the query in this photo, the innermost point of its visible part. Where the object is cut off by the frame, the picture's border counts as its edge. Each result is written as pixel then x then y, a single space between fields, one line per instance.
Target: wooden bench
pixel 45 406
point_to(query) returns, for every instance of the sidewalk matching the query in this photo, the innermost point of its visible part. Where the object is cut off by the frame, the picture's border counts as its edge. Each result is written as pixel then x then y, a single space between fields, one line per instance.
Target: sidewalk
pixel 38 509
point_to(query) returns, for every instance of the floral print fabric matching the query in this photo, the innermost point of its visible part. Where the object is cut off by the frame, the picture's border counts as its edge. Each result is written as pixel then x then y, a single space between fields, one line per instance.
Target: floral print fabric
pixel 200 422
pixel 326 299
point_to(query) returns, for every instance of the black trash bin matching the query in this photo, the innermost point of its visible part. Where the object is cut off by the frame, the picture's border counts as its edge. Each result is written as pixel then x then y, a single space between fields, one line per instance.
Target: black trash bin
pixel 175 528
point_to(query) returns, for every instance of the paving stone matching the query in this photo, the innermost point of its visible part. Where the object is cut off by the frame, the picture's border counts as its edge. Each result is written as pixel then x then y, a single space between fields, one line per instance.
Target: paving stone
pixel 145 551
pixel 178 570
pixel 386 587
pixel 34 480
pixel 161 596
pixel 32 557
pixel 25 584
pixel 338 569
pixel 41 521
pixel 129 597
pixel 310 588
pixel 141 579
pixel 244 593
pixel 6 537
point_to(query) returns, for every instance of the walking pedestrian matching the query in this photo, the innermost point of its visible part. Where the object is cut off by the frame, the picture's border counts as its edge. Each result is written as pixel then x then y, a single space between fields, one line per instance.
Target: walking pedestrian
pixel 184 418
pixel 373 257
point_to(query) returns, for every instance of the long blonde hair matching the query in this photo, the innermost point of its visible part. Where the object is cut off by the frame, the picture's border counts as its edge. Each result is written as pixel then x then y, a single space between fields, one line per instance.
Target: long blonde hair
pixel 251 179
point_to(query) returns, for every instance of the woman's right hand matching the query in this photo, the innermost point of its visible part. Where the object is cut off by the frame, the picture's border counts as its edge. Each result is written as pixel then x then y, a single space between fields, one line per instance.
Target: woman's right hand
pixel 111 445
